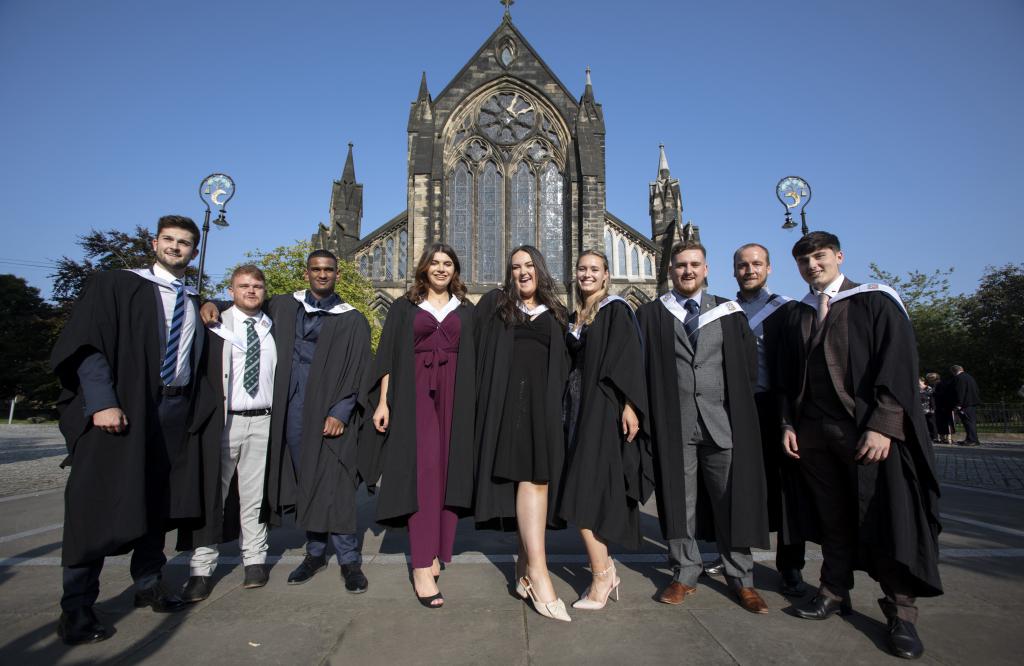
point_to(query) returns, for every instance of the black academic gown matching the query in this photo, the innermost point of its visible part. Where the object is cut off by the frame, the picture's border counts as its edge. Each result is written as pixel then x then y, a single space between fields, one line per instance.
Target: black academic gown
pixel 120 483
pixel 899 496
pixel 393 453
pixel 495 501
pixel 748 499
pixel 606 477
pixel 322 491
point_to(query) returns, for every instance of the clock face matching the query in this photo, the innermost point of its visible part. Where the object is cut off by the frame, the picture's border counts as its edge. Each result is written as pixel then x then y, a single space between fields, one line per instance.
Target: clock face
pixel 792 190
pixel 506 118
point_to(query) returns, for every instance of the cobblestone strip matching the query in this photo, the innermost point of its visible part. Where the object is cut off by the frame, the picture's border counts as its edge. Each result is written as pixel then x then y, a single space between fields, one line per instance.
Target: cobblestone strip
pixel 982 469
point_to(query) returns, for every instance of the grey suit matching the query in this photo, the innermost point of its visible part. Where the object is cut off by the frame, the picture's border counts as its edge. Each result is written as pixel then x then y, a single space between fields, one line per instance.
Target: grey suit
pixel 706 439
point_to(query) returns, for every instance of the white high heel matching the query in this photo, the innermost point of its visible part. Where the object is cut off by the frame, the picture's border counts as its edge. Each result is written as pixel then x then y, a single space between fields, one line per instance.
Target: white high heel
pixel 552 609
pixel 586 603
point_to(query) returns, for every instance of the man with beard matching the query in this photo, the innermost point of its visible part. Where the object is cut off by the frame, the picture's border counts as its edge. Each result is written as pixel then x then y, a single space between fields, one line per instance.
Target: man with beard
pixel 323 348
pixel 126 360
pixel 701 363
pixel 789 510
pixel 851 416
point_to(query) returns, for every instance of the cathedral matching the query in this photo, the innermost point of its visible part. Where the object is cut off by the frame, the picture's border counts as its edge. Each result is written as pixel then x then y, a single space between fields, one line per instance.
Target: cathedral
pixel 505 155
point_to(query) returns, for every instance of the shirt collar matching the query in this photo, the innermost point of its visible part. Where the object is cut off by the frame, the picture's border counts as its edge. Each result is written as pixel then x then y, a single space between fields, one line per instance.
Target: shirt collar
pixel 324 303
pixel 240 316
pixel 833 288
pixel 165 274
pixel 762 296
pixel 682 299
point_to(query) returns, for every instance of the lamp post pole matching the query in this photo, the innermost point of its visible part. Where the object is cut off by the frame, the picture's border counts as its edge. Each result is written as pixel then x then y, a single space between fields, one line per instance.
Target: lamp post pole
pixel 217 188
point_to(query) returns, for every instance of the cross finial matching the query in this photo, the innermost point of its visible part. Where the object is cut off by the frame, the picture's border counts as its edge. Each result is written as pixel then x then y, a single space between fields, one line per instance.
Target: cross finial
pixel 508 4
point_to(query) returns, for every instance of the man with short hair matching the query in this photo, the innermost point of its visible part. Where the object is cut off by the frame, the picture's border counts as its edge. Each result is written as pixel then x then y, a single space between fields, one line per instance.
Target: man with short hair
pixel 232 430
pixel 851 416
pixel 127 359
pixel 790 513
pixel 701 363
pixel 967 400
pixel 323 349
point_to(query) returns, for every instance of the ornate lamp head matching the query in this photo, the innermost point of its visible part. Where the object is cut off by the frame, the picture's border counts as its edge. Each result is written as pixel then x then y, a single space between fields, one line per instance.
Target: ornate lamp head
pixel 793 192
pixel 217 189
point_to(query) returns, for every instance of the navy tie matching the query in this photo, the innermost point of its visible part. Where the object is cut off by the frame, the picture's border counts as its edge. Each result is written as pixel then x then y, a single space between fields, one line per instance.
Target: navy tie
pixel 170 365
pixel 690 323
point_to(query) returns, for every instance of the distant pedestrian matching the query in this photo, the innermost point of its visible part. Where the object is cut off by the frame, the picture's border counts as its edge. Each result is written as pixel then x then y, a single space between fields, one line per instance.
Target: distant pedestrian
pixel 967 400
pixel 927 394
pixel 945 401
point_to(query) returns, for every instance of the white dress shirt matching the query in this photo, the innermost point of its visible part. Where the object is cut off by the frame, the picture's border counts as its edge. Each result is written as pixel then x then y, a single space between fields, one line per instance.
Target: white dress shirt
pixel 188 329
pixel 238 398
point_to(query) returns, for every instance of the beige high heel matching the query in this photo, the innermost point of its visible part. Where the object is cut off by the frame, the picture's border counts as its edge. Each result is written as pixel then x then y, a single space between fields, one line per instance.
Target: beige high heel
pixel 552 609
pixel 586 603
pixel 520 590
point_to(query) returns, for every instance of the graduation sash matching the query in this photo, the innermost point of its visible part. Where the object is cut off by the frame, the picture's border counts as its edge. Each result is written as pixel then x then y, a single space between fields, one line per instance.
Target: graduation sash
pixel 235 337
pixel 148 274
pixel 576 332
pixel 773 304
pixel 440 315
pixel 539 310
pixel 340 308
pixel 811 298
pixel 668 299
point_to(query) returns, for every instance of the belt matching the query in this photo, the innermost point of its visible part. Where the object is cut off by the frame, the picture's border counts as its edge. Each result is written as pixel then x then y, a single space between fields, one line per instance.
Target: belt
pixel 250 412
pixel 175 390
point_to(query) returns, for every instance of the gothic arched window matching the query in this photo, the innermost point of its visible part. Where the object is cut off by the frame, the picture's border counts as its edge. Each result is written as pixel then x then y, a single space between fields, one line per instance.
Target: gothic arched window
pixel 648 267
pixel 403 252
pixel 490 230
pixel 622 258
pixel 609 244
pixel 363 260
pixel 635 259
pixel 551 213
pixel 378 265
pixel 389 258
pixel 523 227
pixel 459 217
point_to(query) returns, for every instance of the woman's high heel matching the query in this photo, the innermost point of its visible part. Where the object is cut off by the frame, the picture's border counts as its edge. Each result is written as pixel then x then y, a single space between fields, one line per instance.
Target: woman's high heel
pixel 552 609
pixel 586 603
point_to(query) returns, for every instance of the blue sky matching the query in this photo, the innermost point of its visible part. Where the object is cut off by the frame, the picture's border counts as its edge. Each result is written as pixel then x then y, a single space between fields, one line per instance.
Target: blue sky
pixel 904 116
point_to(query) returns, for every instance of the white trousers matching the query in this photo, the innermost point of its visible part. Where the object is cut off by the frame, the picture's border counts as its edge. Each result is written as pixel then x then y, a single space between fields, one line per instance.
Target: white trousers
pixel 243 448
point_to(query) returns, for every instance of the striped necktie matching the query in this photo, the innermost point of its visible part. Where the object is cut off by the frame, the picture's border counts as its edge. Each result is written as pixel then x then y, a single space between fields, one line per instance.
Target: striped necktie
pixel 690 323
pixel 169 368
pixel 251 376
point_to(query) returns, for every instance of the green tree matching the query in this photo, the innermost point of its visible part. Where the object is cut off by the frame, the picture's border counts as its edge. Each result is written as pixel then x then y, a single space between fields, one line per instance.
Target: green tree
pixel 285 267
pixel 27 332
pixel 993 318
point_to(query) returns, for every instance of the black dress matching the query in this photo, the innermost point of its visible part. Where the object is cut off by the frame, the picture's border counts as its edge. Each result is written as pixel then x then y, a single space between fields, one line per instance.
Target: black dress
pixel 577 347
pixel 522 453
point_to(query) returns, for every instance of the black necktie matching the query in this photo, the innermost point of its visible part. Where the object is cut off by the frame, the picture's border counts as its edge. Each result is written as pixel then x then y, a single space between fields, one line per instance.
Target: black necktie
pixel 690 323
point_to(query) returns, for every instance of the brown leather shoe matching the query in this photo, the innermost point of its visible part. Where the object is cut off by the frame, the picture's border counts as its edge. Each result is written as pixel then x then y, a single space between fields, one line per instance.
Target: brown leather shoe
pixel 675 593
pixel 750 600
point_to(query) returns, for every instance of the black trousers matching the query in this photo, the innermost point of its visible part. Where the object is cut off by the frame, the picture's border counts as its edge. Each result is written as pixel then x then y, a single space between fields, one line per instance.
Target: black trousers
pixel 969 417
pixel 789 557
pixel 827 449
pixel 82 583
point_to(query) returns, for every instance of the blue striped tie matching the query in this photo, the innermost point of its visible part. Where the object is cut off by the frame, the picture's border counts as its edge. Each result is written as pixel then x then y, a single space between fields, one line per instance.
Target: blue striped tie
pixel 251 375
pixel 170 365
pixel 690 323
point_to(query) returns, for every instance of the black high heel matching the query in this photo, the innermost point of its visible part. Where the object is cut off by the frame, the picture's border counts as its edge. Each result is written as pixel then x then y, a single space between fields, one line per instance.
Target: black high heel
pixel 428 602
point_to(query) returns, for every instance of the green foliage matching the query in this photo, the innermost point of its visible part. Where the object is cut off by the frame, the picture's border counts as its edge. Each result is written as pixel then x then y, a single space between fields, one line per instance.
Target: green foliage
pixel 285 270
pixel 28 329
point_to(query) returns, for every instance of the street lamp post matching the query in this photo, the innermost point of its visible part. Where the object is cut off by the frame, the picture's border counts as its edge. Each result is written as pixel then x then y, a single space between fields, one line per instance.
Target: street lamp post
pixel 798 192
pixel 217 188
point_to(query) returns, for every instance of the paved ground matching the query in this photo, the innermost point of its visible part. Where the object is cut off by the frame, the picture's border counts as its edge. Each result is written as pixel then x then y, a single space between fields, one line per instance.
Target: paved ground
pixel 977 621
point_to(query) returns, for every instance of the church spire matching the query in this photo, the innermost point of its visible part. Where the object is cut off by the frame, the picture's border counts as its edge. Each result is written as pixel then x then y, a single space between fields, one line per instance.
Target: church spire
pixel 348 175
pixel 588 90
pixel 662 163
pixel 424 95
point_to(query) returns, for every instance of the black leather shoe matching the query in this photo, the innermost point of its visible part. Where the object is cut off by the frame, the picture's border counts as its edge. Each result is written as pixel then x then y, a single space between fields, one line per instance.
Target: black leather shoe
pixel 196 589
pixel 310 567
pixel 716 568
pixel 159 599
pixel 792 584
pixel 81 626
pixel 822 607
pixel 903 639
pixel 355 580
pixel 255 576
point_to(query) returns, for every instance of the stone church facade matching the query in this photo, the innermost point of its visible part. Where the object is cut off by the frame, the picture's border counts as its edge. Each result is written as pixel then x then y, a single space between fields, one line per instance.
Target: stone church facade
pixel 505 155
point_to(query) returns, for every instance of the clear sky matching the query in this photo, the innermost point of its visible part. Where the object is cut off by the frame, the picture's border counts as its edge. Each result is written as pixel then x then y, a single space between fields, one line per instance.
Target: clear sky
pixel 905 116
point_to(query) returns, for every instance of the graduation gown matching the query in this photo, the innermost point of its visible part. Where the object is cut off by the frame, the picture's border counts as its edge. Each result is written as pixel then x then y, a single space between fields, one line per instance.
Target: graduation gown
pixel 495 502
pixel 393 453
pixel 899 496
pixel 749 514
pixel 606 477
pixel 120 483
pixel 322 491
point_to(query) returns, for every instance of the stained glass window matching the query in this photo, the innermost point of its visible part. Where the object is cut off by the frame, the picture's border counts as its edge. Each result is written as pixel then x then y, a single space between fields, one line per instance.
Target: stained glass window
pixel 622 258
pixel 524 224
pixel 648 267
pixel 363 261
pixel 552 240
pixel 389 258
pixel 459 216
pixel 635 262
pixel 403 252
pixel 490 227
pixel 378 265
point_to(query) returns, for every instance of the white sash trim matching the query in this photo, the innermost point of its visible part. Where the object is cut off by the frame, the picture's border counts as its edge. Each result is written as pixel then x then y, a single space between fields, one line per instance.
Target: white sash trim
pixel 236 337
pixel 223 332
pixel 532 314
pixel 442 314
pixel 340 308
pixel 668 299
pixel 610 298
pixel 147 274
pixel 811 298
pixel 727 308
pixel 774 303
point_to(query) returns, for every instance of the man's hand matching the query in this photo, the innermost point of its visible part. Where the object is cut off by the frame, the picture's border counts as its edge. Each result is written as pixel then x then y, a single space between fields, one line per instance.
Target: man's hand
pixel 873 447
pixel 789 444
pixel 110 420
pixel 630 422
pixel 209 314
pixel 333 427
pixel 381 417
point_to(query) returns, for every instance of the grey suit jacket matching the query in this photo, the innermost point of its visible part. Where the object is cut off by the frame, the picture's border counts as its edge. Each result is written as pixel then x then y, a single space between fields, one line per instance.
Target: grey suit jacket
pixel 701 379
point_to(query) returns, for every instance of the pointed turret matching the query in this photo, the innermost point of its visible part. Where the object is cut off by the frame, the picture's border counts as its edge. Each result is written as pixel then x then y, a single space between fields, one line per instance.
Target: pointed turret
pixel 424 94
pixel 346 213
pixel 348 175
pixel 590 132
pixel 666 208
pixel 663 171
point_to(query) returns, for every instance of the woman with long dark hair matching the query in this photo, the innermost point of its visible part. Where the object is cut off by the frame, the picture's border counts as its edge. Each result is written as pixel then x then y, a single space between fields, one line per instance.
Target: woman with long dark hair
pixel 605 402
pixel 522 364
pixel 421 443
